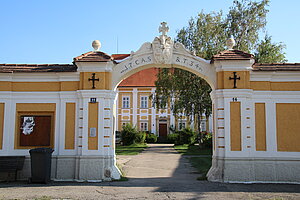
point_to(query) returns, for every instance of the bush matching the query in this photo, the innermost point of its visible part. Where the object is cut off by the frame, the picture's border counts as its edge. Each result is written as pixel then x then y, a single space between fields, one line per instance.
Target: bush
pixel 173 138
pixel 128 134
pixel 186 136
pixel 207 140
pixel 140 137
pixel 151 138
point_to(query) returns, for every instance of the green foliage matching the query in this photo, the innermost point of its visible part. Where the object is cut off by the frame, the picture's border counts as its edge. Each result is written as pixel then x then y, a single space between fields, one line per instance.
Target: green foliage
pixel 268 52
pixel 151 138
pixel 186 149
pixel 132 149
pixel 245 20
pixel 186 136
pixel 187 93
pixel 207 140
pixel 173 138
pixel 206 35
pixel 130 135
pixel 140 137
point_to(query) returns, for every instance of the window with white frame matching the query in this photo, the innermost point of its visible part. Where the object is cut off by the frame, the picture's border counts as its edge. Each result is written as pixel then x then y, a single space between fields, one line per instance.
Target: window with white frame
pixel 181 125
pixel 144 126
pixel 144 102
pixel 125 102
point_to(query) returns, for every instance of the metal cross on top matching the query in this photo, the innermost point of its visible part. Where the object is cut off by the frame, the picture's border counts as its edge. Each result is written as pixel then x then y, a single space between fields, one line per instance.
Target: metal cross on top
pixel 234 78
pixel 163 29
pixel 93 79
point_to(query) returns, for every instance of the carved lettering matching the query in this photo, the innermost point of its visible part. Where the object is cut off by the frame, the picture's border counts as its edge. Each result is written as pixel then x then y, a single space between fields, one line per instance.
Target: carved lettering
pixel 135 63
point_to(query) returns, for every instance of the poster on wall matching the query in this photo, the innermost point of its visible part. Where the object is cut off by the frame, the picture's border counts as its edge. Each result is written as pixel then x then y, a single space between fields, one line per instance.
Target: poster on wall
pixel 35 130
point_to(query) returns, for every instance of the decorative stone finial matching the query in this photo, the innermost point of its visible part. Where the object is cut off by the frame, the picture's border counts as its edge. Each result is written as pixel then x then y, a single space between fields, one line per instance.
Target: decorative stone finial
pixel 96 45
pixel 163 29
pixel 230 43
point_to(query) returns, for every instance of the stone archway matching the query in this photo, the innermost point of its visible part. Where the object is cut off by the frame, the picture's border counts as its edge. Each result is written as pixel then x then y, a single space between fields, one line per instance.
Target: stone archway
pixel 163 53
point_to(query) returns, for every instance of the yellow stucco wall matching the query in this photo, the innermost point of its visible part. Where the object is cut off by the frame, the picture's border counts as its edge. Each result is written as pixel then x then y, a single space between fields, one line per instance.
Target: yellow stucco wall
pixel 104 82
pixel 235 126
pixel 70 126
pixel 223 81
pixel 39 86
pixel 93 123
pixel 1 123
pixel 260 127
pixel 287 126
pixel 275 86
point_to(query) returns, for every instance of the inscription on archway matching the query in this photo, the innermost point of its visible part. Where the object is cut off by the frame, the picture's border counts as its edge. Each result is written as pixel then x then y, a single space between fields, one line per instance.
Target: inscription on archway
pixel 136 62
pixel 148 59
pixel 187 62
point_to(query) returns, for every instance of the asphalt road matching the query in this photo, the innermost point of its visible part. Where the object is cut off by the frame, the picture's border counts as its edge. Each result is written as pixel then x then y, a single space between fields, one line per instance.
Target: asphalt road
pixel 157 173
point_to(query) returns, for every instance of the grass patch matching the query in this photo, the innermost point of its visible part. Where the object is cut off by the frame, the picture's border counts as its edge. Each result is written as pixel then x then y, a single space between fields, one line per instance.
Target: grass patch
pixel 192 150
pixel 133 149
pixel 202 164
pixel 123 178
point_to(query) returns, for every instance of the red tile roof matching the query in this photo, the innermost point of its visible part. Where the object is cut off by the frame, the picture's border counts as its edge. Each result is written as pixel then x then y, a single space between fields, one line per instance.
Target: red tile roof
pixel 144 78
pixel 119 56
pixel 8 68
pixel 232 55
pixel 93 56
pixel 276 67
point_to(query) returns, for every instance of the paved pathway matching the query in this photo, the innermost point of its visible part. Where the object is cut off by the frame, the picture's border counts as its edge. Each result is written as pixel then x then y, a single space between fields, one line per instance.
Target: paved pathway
pixel 157 161
pixel 157 173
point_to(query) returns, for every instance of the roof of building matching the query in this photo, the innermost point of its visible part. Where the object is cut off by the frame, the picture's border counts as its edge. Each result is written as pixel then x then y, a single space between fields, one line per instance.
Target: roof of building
pixel 144 78
pixel 9 68
pixel 93 56
pixel 232 54
pixel 276 67
pixel 118 57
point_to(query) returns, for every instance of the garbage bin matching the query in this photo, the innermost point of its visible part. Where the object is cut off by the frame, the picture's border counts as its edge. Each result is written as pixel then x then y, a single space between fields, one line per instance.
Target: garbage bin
pixel 40 165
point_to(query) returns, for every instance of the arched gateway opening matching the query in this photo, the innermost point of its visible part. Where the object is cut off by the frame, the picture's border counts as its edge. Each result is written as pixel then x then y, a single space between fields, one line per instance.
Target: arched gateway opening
pixel 162 53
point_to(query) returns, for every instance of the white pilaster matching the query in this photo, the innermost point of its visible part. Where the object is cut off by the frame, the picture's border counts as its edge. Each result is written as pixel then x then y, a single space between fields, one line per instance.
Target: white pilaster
pixel 134 106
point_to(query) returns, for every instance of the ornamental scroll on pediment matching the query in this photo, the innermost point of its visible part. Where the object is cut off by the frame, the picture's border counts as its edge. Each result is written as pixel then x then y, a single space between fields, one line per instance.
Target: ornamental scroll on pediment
pixel 163 46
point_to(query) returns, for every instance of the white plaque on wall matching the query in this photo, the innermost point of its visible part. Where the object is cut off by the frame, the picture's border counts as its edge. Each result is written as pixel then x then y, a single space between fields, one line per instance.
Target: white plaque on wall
pixel 93 132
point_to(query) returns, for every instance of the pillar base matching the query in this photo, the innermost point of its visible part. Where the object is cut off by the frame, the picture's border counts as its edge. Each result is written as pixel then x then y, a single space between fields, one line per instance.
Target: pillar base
pixel 78 168
pixel 255 170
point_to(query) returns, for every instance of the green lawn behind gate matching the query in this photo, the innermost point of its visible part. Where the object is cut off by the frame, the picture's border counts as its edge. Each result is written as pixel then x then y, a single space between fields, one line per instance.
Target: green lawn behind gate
pixel 132 149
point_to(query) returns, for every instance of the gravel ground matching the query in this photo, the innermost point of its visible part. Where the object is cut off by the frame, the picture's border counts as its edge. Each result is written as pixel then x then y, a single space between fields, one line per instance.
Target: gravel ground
pixel 157 173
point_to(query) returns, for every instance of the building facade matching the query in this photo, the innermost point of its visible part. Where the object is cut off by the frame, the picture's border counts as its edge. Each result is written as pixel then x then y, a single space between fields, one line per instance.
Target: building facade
pixel 70 108
pixel 135 106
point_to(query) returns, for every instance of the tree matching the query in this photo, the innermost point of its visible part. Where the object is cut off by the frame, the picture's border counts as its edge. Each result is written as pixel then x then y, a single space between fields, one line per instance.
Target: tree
pixel 268 52
pixel 245 20
pixel 206 36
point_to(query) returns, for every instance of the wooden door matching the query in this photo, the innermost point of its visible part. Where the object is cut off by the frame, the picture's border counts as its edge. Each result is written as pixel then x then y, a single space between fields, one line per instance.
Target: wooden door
pixel 163 130
pixel 41 133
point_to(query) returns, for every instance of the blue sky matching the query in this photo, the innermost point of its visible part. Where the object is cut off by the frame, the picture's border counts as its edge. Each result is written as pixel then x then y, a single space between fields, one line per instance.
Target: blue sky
pixel 56 31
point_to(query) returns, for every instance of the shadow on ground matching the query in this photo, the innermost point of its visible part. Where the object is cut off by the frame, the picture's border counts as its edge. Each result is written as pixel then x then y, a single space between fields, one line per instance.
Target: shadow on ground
pixel 182 184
